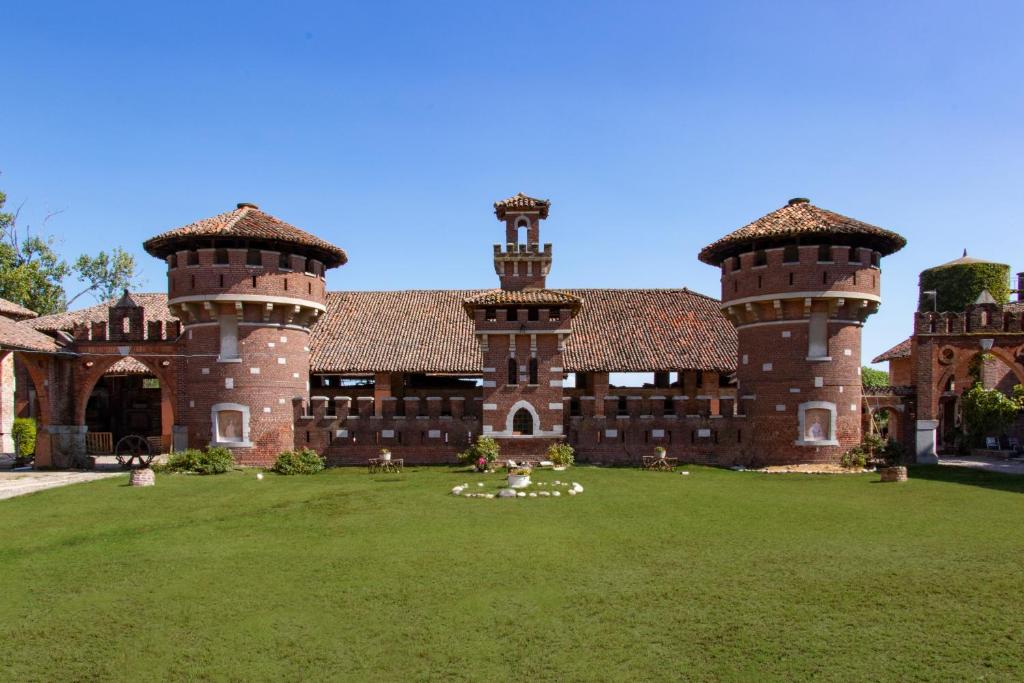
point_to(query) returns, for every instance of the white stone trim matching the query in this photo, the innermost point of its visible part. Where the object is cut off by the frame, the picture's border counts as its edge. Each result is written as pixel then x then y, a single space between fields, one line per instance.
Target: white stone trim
pixel 802 411
pixel 247 298
pixel 214 410
pixel 821 294
pixel 799 321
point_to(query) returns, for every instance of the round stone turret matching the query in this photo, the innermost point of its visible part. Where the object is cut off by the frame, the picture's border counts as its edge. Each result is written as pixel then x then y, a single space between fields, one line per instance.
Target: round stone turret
pixel 798 285
pixel 247 288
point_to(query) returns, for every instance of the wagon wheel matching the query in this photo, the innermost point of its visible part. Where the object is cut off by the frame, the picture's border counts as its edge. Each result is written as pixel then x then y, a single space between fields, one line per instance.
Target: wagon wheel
pixel 132 452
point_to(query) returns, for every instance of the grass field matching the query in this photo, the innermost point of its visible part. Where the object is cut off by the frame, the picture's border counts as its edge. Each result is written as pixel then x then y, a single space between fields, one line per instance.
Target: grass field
pixel 720 575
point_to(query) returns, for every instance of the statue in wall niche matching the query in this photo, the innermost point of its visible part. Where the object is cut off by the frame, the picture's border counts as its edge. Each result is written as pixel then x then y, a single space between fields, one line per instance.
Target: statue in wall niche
pixel 815 430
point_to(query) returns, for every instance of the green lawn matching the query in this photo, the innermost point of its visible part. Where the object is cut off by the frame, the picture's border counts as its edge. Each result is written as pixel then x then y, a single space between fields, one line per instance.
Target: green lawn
pixel 344 575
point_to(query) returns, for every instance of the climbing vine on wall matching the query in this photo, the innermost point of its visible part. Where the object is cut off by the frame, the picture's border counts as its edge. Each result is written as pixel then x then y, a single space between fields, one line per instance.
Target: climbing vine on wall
pixel 959 286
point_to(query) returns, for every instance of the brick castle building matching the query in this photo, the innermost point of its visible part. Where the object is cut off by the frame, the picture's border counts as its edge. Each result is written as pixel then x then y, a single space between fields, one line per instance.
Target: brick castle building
pixel 249 350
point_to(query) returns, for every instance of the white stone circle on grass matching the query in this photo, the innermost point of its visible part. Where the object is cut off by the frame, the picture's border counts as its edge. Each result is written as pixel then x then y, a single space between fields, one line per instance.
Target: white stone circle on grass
pixel 573 489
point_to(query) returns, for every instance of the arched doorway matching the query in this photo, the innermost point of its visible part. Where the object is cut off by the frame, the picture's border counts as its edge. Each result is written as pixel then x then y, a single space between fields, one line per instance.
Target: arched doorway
pixel 122 397
pixel 522 423
pixel 885 423
pixel 125 400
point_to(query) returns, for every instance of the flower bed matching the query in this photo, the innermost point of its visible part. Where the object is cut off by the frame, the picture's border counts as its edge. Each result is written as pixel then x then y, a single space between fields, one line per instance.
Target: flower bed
pixel 540 489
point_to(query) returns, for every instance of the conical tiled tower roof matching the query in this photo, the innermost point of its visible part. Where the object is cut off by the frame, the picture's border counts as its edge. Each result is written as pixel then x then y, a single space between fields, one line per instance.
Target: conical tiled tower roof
pixel 800 219
pixel 245 223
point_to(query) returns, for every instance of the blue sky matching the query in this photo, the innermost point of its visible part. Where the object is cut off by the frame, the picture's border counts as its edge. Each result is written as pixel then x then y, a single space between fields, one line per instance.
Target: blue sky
pixel 389 128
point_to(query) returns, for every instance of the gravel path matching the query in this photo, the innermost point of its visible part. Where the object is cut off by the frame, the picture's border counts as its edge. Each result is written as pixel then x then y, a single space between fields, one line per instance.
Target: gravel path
pixel 20 483
pixel 990 464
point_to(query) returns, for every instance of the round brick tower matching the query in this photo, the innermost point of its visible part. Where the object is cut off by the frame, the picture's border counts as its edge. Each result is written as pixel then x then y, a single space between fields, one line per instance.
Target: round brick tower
pixel 247 288
pixel 798 285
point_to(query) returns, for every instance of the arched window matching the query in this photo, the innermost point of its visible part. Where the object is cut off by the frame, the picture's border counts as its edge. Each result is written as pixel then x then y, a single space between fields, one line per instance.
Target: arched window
pixel 533 371
pixel 522 422
pixel 523 230
pixel 513 371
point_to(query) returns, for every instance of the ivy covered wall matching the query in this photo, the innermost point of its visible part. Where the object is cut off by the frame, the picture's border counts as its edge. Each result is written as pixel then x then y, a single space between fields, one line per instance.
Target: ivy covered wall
pixel 958 285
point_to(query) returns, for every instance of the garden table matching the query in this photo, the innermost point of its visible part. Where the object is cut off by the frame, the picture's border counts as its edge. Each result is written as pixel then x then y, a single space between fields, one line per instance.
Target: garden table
pixel 653 462
pixel 382 465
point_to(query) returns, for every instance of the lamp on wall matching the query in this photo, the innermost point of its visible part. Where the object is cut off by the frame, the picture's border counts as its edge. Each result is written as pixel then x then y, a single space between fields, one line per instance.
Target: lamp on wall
pixel 986 344
pixel 935 299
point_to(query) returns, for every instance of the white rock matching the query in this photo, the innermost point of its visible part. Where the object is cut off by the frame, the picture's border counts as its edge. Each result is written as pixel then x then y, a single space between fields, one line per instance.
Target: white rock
pixel 457 491
pixel 557 482
pixel 546 463
pixel 572 492
pixel 556 494
pixel 546 494
pixel 577 488
pixel 488 495
pixel 506 493
pixel 685 474
pixel 259 476
pixel 480 484
pixel 521 494
pixel 532 494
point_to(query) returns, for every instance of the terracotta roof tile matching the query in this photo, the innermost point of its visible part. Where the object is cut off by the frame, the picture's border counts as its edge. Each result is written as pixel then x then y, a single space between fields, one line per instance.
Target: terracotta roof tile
pixel 155 305
pixel 128 366
pixel 645 330
pixel 520 202
pixel 616 330
pixel 901 350
pixel 799 218
pixel 9 309
pixel 248 223
pixel 18 335
pixel 501 297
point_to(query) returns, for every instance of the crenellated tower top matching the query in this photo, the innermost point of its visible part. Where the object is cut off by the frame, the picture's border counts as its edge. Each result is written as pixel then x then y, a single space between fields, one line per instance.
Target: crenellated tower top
pixel 521 263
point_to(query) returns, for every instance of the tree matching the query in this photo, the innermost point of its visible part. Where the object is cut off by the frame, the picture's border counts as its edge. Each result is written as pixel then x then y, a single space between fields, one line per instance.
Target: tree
pixel 32 273
pixel 107 275
pixel 30 270
pixel 873 379
pixel 988 412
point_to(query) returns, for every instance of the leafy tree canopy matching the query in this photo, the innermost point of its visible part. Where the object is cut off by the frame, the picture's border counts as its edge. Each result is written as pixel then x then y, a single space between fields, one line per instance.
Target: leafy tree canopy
pixel 32 272
pixel 873 379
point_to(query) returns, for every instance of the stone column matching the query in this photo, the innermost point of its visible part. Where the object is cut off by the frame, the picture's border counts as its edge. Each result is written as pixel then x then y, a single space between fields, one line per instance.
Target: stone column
pixel 7 385
pixel 925 442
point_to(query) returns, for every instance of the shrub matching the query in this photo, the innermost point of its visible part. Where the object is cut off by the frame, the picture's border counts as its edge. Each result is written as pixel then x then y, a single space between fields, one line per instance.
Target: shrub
pixel 23 432
pixel 561 454
pixel 987 412
pixel 481 454
pixel 215 460
pixel 855 457
pixel 306 461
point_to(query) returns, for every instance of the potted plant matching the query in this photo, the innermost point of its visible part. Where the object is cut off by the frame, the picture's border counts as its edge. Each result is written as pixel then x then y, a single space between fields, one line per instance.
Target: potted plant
pixel 482 454
pixel 660 452
pixel 519 478
pixel 892 455
pixel 561 455
pixel 385 454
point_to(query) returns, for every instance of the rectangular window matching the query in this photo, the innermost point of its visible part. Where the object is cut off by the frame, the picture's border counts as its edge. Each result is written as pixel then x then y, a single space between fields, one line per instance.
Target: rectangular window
pixel 817 336
pixel 791 254
pixel 228 337
pixel 824 253
pixel 253 258
pixel 220 257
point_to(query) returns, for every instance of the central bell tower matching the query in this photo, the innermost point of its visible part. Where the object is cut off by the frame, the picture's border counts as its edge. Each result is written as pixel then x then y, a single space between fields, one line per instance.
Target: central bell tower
pixel 522 328
pixel 522 264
